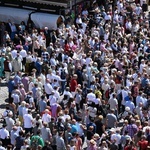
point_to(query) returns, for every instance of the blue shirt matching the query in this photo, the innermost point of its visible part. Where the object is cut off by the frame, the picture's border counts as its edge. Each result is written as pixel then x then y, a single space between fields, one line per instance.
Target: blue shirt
pixel 130 104
pixel 17 80
pixel 92 124
pixel 42 105
pixel 11 84
pixel 34 90
pixel 74 129
pixel 127 98
pixel 20 110
pixel 144 82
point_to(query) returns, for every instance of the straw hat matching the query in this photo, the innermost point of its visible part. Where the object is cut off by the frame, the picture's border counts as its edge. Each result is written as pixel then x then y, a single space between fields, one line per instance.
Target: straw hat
pixel 92 142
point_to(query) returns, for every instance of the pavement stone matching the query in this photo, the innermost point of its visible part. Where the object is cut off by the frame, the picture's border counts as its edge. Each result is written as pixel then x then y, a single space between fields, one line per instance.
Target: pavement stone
pixel 3 96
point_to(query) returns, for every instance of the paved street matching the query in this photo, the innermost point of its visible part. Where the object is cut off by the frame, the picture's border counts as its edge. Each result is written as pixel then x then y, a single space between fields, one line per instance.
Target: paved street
pixel 3 96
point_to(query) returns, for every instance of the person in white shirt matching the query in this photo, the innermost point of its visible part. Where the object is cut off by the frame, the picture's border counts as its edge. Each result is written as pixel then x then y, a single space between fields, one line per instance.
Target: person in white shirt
pixel 124 93
pixel 14 53
pixel 25 109
pixel 119 6
pixel 23 53
pixel 52 99
pixel 90 96
pixel 16 99
pixel 56 93
pixel 129 81
pixel 48 88
pixel 138 109
pixel 4 135
pixel 66 116
pixel 92 112
pixel 107 16
pixel 113 102
pixel 10 122
pixel 138 10
pixel 106 35
pixel 116 137
pixel 142 65
pixel 144 96
pixel 6 112
pixel 88 60
pixel 79 20
pixel 46 117
pixel 68 93
pixel 128 25
pixel 28 122
pixel 43 78
pixel 50 76
pixel 30 100
pixel 85 12
pixel 139 99
pixel 105 86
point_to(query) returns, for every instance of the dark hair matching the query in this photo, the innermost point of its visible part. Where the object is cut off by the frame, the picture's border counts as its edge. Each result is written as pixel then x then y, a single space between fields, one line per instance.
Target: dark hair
pixel 38 132
pixel 43 97
pixel 20 133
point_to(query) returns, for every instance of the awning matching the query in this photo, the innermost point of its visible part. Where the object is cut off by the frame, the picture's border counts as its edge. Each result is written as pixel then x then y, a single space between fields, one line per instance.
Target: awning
pixel 14 14
pixel 42 20
pixel 47 2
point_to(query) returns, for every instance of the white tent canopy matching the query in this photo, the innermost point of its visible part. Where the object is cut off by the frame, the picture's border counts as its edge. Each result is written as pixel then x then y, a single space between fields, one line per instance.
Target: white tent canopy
pixel 14 14
pixel 42 20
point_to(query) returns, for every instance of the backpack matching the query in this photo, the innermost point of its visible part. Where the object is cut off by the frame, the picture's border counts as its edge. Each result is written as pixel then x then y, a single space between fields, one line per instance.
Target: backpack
pixel 63 74
pixel 27 99
pixel 35 142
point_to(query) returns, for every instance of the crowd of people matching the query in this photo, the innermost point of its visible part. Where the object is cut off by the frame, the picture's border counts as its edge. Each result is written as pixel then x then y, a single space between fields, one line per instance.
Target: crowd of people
pixel 84 86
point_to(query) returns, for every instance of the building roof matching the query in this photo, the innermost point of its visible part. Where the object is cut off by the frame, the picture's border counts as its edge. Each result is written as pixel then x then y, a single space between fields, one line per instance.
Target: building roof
pixel 62 3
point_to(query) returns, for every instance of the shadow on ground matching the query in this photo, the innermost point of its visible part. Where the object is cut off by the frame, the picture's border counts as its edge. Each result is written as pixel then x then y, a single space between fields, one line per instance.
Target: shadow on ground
pixel 3 84
pixel 3 106
pixel 6 100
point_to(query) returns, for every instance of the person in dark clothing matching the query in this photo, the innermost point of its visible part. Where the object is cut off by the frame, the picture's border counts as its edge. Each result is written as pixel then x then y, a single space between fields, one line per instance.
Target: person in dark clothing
pixel 47 146
pixel 47 36
pixel 10 86
pixel 79 74
pixel 19 141
pixel 17 40
pixel 100 126
pixel 90 133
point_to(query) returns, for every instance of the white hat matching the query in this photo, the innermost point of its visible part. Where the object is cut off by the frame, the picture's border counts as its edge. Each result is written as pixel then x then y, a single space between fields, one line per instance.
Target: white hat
pixel 141 45
pixel 127 109
pixel 112 130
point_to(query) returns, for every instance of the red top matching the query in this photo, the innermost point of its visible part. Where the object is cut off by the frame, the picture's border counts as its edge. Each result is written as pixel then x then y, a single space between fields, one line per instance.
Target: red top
pixel 73 85
pixel 66 48
pixel 42 113
pixel 135 91
pixel 143 144
pixel 129 148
